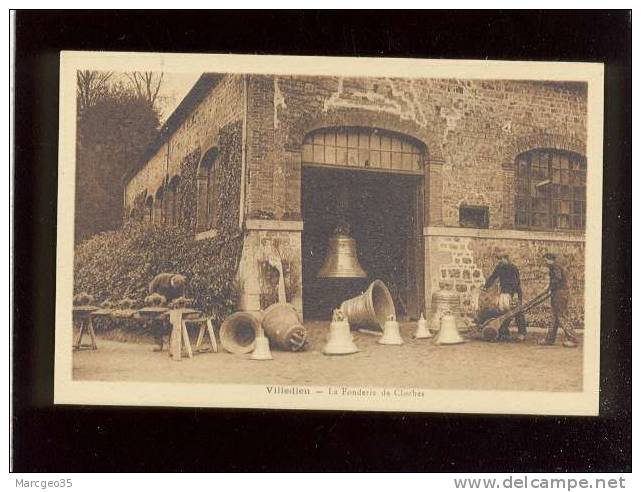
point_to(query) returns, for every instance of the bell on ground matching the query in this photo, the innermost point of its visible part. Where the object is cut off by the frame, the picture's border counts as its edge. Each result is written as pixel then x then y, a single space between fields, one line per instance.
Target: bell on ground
pixel 261 350
pixel 341 260
pixel 340 341
pixel 421 328
pixel 371 309
pixel 238 333
pixel 391 332
pixel 448 334
pixel 444 301
pixel 284 327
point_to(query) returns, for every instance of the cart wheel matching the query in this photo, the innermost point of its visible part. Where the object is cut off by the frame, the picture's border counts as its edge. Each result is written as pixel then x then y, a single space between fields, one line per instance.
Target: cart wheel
pixel 490 334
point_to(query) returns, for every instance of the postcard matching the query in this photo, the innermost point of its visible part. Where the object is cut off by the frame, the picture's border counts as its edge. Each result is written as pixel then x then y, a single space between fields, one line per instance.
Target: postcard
pixel 364 234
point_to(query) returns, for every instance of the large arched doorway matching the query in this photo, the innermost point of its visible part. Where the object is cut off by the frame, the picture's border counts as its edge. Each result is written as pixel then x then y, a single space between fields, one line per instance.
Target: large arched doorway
pixel 374 180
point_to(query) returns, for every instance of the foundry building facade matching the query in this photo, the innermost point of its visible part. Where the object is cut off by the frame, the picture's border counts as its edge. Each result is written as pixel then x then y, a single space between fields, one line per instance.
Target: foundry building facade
pixel 433 177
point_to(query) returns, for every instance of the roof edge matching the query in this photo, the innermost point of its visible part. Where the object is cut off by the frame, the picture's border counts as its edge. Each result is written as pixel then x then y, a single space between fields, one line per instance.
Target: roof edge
pixel 203 86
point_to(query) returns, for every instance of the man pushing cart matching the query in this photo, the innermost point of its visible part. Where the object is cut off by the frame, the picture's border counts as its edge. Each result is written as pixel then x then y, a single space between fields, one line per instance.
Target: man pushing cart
pixel 494 326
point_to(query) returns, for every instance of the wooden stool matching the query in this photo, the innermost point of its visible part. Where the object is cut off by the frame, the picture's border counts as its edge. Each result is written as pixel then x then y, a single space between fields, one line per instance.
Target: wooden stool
pixel 179 338
pixel 205 328
pixel 83 320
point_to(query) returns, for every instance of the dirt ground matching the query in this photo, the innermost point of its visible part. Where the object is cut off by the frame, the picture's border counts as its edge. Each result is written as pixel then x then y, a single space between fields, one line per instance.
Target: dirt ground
pixel 523 366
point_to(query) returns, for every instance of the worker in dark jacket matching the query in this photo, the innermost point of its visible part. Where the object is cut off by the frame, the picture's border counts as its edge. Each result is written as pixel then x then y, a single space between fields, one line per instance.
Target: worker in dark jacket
pixel 559 304
pixel 169 285
pixel 510 295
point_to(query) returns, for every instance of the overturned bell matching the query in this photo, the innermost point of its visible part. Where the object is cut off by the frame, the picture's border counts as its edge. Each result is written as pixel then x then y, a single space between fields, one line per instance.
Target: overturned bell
pixel 341 260
pixel 448 334
pixel 340 341
pixel 238 333
pixel 371 309
pixel 261 349
pixel 391 332
pixel 421 328
pixel 284 327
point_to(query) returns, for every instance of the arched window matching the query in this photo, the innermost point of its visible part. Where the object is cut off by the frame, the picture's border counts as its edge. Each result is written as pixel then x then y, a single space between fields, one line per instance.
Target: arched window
pixel 363 147
pixel 207 192
pixel 157 215
pixel 149 210
pixel 550 190
pixel 171 201
pixel 137 211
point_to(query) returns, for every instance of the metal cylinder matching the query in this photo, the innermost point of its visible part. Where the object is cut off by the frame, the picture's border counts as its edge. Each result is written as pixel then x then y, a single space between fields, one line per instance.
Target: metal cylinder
pixel 284 327
pixel 371 309
pixel 446 301
pixel 238 333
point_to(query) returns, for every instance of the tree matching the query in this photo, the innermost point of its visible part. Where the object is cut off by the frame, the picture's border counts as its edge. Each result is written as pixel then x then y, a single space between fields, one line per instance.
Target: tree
pixel 146 84
pixel 91 87
pixel 112 133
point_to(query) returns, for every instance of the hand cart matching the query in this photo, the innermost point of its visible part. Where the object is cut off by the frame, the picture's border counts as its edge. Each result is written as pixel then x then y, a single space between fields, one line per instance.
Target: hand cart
pixel 489 329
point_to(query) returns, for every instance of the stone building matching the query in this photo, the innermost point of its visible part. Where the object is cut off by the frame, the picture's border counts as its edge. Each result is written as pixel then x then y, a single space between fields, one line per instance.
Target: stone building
pixel 433 175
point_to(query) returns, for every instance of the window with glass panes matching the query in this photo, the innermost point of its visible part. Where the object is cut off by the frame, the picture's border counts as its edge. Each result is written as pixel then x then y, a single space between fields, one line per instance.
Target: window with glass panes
pixel 550 190
pixel 207 189
pixel 362 147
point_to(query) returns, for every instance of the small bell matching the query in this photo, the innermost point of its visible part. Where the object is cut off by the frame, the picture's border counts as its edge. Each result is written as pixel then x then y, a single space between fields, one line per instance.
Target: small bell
pixel 448 334
pixel 421 329
pixel 261 349
pixel 391 332
pixel 340 341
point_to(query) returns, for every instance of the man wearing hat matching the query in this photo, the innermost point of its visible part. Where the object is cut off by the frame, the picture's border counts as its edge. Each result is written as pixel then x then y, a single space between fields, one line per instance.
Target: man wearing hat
pixel 559 304
pixel 510 295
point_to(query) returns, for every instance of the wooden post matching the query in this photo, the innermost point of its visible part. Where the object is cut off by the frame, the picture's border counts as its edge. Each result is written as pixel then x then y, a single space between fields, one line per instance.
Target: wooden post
pixel 81 329
pixel 186 342
pixel 175 345
pixel 212 337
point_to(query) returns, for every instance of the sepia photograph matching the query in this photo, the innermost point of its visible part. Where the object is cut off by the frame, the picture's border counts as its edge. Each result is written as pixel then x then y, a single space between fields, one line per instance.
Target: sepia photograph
pixel 329 233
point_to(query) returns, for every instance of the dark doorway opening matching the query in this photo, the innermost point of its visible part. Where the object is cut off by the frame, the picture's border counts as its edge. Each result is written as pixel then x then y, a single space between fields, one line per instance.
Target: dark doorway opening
pixel 384 211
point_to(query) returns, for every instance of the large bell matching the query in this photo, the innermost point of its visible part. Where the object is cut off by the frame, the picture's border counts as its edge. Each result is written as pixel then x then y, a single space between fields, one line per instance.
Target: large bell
pixel 371 309
pixel 341 260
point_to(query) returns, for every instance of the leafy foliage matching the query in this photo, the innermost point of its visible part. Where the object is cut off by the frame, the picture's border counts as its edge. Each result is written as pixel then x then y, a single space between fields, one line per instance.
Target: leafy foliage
pixel 118 264
pixel 113 131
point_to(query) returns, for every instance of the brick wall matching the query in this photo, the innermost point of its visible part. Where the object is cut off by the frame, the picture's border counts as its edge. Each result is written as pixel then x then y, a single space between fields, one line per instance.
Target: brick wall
pixel 473 130
pixel 463 264
pixel 200 131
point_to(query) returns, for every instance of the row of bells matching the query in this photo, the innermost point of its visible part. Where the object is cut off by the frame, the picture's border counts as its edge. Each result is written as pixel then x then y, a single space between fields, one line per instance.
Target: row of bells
pixel 341 342
pixel 374 308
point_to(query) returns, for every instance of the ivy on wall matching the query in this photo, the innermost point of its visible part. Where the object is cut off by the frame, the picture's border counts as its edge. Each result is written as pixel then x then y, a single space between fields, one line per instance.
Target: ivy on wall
pixel 119 264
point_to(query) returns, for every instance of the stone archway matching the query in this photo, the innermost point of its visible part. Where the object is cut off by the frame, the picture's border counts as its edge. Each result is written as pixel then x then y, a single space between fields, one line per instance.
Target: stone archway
pixel 356 117
pixel 386 170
